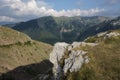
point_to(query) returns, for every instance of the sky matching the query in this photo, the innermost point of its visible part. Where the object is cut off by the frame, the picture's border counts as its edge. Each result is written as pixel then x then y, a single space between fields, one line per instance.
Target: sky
pixel 23 10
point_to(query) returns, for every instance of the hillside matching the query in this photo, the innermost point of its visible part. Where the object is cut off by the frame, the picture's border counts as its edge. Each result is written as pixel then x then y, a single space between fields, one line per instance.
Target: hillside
pixel 98 58
pixel 104 58
pixel 26 59
pixel 17 49
pixel 53 29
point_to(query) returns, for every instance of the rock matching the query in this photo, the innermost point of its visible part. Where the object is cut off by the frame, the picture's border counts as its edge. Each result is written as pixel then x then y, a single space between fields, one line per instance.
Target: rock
pixel 106 35
pixel 75 61
pixel 101 34
pixel 111 34
pixel 77 44
pixel 59 48
pixel 67 60
pixel 56 55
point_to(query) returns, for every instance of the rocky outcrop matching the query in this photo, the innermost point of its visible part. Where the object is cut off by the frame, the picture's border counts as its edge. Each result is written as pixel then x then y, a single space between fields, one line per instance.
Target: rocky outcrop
pixel 101 34
pixel 66 60
pixel 55 56
pixel 106 35
pixel 77 44
pixel 74 62
pixel 111 34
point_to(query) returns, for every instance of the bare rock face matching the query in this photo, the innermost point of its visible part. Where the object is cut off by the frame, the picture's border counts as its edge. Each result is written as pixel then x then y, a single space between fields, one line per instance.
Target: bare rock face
pixel 57 54
pixel 66 60
pixel 75 61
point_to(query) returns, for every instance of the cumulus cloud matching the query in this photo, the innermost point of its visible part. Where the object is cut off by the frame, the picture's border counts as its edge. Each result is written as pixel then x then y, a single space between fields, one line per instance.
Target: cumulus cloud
pixel 28 9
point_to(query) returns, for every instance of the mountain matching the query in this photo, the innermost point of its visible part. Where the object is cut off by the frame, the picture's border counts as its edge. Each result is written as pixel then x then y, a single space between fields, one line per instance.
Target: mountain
pixel 18 52
pixel 53 29
pixel 102 27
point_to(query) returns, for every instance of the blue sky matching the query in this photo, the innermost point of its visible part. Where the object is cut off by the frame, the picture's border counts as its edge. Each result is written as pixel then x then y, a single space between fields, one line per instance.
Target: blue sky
pixel 84 4
pixel 22 10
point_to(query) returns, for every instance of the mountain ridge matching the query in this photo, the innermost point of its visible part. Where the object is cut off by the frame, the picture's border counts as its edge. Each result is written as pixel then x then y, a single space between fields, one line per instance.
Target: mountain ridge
pixel 53 29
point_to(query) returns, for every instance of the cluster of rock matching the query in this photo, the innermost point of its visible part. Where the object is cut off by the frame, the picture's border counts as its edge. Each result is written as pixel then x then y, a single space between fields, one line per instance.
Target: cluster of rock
pixel 115 23
pixel 101 34
pixel 108 35
pixel 111 34
pixel 67 60
pixel 77 44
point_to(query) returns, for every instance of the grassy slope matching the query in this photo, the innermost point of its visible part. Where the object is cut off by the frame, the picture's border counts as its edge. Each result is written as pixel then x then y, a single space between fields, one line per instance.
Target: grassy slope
pixel 17 50
pixel 9 36
pixel 104 61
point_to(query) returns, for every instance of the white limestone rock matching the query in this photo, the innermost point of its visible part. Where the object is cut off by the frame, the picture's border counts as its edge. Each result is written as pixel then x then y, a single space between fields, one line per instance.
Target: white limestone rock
pixel 56 55
pixel 72 63
pixel 101 34
pixel 75 61
pixel 106 35
pixel 111 34
pixel 77 44
pixel 58 51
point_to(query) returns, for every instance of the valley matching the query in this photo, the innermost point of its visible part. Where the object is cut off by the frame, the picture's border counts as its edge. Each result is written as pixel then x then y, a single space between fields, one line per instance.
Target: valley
pixel 59 39
pixel 51 29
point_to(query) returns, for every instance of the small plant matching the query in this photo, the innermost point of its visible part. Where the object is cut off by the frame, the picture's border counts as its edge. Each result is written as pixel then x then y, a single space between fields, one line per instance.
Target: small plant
pixel 27 43
pixel 21 55
pixel 18 43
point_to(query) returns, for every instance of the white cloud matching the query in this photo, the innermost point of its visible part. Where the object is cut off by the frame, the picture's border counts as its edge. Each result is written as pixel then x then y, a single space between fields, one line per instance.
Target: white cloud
pixel 5 18
pixel 37 8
